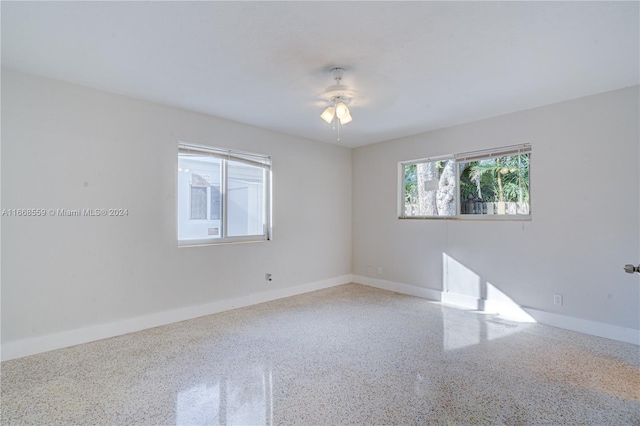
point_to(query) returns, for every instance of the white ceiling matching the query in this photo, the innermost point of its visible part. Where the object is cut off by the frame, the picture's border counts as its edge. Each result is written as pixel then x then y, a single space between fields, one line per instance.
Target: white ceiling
pixel 417 66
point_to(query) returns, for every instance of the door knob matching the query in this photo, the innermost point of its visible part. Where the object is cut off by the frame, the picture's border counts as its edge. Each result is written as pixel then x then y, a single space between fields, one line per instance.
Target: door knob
pixel 630 269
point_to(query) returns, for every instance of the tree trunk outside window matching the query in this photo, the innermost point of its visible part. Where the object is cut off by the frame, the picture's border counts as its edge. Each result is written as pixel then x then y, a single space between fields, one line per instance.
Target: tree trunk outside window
pixel 427 172
pixel 447 190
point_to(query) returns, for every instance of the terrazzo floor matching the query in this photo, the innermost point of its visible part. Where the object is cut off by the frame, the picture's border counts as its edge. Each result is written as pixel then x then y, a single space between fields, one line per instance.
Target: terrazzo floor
pixel 345 355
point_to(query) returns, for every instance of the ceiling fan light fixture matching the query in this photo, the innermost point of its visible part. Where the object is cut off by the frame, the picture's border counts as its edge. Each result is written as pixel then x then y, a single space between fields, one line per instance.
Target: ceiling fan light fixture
pixel 346 119
pixel 339 96
pixel 328 114
pixel 341 110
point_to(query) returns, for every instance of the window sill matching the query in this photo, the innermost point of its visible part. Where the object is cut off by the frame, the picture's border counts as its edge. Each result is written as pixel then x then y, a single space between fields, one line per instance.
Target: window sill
pixel 474 218
pixel 204 243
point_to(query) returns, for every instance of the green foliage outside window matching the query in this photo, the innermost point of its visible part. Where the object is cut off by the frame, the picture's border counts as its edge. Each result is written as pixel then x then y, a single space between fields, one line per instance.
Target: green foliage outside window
pixel 489 185
pixel 502 179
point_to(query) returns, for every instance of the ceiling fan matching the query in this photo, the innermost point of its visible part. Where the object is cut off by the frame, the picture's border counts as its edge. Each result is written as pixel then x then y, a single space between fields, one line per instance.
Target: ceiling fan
pixel 338 96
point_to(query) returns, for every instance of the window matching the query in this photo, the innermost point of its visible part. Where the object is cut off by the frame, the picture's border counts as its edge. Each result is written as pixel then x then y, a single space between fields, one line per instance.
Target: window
pixel 223 196
pixel 491 184
pixel 199 188
pixel 215 211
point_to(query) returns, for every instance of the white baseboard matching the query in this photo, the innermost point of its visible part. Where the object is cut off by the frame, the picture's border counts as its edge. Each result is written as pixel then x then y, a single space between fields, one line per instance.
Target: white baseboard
pixel 462 301
pixel 409 289
pixel 31 346
pixel 25 347
pixel 609 331
pixel 594 328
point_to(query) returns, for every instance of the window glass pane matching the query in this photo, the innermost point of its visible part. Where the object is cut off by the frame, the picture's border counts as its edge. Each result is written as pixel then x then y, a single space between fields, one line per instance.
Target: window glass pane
pixel 216 205
pixel 495 186
pixel 198 202
pixel 197 175
pixel 246 199
pixel 430 188
pixel 223 195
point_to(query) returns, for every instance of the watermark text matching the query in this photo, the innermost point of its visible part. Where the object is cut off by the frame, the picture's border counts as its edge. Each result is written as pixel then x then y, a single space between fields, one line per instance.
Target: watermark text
pixel 59 212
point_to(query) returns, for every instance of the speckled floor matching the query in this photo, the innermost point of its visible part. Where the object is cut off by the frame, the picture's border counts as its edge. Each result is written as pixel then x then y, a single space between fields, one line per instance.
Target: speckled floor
pixel 346 355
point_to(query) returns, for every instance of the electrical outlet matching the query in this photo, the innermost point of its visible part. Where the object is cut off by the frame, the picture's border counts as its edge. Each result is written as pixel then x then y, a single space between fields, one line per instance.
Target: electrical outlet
pixel 557 299
pixel 379 269
pixel 267 278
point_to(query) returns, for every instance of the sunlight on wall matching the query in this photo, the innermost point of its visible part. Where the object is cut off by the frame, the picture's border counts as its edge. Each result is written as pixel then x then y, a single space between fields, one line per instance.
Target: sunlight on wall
pixel 498 302
pixel 242 399
pixel 463 288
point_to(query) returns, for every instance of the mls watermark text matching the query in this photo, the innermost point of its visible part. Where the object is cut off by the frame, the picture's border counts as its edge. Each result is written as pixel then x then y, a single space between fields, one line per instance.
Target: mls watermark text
pixel 58 212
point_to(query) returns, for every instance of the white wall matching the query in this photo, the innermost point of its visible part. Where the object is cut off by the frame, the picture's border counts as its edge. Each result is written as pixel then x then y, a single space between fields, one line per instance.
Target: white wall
pixel 585 206
pixel 67 146
pixel 73 279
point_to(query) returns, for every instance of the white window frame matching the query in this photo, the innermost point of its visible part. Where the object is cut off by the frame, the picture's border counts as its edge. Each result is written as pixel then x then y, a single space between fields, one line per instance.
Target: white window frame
pixel 463 158
pixel 253 159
